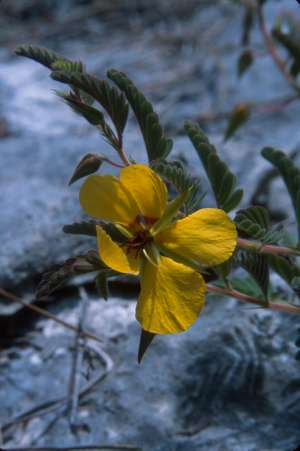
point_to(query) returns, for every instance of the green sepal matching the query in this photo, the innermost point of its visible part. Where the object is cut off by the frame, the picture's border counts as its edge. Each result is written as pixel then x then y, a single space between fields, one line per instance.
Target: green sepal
pixel 169 214
pixel 145 341
pixel 102 284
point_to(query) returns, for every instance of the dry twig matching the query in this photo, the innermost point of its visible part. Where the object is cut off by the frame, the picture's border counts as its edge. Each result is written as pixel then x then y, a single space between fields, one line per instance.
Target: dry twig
pixel 48 315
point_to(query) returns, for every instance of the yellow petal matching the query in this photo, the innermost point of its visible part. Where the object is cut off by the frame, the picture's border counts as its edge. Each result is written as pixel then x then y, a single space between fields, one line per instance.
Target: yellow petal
pixel 147 188
pixel 114 256
pixel 171 298
pixel 207 236
pixel 105 197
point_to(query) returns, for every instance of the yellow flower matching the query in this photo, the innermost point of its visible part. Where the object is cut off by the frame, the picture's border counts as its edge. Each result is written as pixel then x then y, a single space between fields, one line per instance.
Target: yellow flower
pixel 167 253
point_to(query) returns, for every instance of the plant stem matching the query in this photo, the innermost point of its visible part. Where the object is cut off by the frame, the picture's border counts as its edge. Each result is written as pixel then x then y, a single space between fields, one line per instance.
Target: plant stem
pixel 112 163
pixel 261 248
pixel 265 106
pixel 48 315
pixel 280 63
pixel 121 152
pixel 252 300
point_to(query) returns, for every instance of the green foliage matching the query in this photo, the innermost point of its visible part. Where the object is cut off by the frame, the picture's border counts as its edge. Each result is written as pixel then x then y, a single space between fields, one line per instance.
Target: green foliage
pixel 81 228
pixel 255 223
pixel 157 145
pixel 40 54
pixel 290 174
pixel 222 180
pixel 297 343
pixel 286 269
pixel 244 62
pixel 291 45
pixel 102 284
pixel 89 228
pixel 238 117
pixel 57 276
pixel 174 172
pixel 109 98
pixel 68 66
pixel 257 266
pixel 91 114
pixel 247 26
pixel 89 164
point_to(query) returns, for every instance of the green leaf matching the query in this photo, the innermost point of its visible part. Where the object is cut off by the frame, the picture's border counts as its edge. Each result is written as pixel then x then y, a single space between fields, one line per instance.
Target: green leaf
pixel 257 266
pixel 81 228
pixel 247 26
pixel 244 62
pixel 68 66
pixel 254 222
pixel 290 174
pixel 238 117
pixel 286 269
pixel 289 43
pixel 40 54
pixel 89 164
pixel 145 341
pixel 91 114
pixel 174 172
pixel 222 181
pixel 89 228
pixel 102 284
pixel 109 98
pixel 57 276
pixel 157 145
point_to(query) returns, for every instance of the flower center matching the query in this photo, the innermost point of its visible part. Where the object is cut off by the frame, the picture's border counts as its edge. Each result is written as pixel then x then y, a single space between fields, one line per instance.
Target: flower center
pixel 138 242
pixel 143 222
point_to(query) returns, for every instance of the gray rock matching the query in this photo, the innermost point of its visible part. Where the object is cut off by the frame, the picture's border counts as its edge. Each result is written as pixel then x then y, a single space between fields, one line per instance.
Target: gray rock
pixel 230 383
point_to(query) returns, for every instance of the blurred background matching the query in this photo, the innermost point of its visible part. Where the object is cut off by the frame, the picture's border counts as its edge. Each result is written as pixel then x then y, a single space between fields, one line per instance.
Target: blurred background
pixel 231 382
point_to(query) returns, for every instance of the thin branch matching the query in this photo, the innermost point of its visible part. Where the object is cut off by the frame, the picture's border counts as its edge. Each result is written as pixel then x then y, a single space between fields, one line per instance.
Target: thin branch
pixel 47 407
pixel 273 51
pixel 74 385
pixel 288 308
pixel 48 315
pixel 81 448
pixel 261 248
pixel 265 106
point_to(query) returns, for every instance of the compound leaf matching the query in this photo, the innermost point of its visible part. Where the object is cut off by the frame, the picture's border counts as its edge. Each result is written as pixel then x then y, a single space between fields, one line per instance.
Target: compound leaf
pixel 222 181
pixel 174 172
pixel 257 266
pixel 40 54
pixel 110 99
pixel 157 145
pixel 290 174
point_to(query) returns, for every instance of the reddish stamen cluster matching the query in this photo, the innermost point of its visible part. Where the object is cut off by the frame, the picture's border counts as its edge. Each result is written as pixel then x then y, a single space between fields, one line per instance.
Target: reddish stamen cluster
pixel 137 242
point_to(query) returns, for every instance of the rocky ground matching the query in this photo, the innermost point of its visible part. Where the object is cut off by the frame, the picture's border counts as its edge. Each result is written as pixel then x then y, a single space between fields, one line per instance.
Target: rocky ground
pixel 231 383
